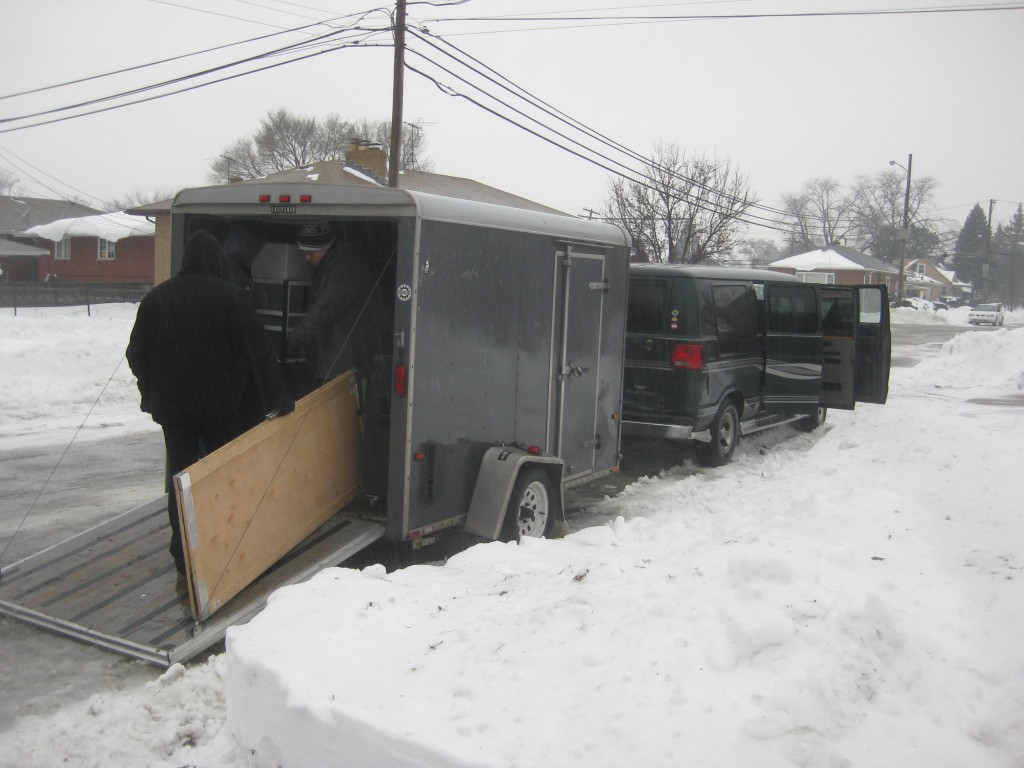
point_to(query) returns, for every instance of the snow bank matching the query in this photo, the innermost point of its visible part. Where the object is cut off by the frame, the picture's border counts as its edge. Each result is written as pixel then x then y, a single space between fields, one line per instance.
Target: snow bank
pixel 846 598
pixel 69 371
pixel 831 602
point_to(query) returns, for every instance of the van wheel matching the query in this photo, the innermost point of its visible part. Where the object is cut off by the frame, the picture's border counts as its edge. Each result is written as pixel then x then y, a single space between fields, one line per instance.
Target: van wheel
pixel 812 421
pixel 725 433
pixel 533 506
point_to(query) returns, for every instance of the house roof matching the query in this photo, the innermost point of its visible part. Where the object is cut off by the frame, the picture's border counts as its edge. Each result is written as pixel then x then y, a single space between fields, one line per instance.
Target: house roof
pixel 18 214
pixel 328 172
pixel 834 257
pixel 12 248
pixel 110 226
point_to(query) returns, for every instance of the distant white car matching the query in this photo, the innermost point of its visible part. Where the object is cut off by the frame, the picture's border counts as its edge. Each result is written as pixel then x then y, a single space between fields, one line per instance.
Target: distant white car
pixel 986 313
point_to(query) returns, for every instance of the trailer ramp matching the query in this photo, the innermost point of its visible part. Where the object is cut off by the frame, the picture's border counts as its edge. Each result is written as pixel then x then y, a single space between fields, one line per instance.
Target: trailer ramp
pixel 115 585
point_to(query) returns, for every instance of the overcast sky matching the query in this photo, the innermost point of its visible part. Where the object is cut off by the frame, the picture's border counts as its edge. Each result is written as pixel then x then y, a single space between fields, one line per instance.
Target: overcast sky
pixel 786 98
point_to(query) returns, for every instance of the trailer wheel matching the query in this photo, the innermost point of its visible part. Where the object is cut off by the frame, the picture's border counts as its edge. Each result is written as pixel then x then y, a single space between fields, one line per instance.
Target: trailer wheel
pixel 533 506
pixel 725 433
pixel 813 420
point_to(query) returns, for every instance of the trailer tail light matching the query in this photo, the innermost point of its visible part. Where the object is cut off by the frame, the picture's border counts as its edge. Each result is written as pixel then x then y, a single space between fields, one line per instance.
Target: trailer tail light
pixel 400 380
pixel 688 357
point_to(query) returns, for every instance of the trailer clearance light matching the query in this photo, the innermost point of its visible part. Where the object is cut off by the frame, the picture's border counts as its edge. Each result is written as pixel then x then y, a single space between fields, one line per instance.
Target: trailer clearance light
pixel 305 198
pixel 284 198
pixel 264 198
pixel 400 379
pixel 688 357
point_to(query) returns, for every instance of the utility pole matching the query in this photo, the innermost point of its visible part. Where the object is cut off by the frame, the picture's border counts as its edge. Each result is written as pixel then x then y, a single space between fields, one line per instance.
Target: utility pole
pixel 396 102
pixel 904 233
pixel 985 268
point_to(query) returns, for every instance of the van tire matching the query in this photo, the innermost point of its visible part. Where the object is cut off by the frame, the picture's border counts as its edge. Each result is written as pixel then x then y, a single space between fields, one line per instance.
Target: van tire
pixel 812 421
pixel 725 433
pixel 533 507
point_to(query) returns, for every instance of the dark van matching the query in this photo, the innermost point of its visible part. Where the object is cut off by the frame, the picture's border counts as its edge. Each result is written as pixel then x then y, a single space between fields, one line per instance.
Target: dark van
pixel 713 353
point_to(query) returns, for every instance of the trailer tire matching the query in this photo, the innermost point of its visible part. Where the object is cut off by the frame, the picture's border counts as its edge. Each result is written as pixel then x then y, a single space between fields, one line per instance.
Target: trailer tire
pixel 533 507
pixel 725 433
pixel 813 420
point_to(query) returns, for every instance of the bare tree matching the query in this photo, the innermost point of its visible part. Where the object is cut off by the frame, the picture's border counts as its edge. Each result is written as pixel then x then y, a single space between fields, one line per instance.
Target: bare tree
pixel 284 140
pixel 821 215
pixel 7 182
pixel 684 208
pixel 877 215
pixel 137 198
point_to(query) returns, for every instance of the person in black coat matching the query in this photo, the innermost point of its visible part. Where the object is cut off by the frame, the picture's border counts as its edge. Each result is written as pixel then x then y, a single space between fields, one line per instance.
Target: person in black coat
pixel 347 323
pixel 205 369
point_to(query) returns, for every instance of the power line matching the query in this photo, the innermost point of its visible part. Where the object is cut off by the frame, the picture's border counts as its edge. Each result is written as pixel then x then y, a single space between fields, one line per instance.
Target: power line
pixel 577 22
pixel 192 87
pixel 716 206
pixel 535 101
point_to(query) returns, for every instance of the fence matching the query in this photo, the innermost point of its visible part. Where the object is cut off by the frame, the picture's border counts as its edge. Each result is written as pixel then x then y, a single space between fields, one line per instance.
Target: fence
pixel 52 297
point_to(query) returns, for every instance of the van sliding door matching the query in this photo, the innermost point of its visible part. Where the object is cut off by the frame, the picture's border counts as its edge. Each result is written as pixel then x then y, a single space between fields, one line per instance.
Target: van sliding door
pixel 792 349
pixel 839 345
pixel 874 345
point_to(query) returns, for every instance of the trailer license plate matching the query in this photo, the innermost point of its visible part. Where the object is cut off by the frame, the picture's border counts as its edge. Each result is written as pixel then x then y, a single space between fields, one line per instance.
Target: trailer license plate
pixel 282 209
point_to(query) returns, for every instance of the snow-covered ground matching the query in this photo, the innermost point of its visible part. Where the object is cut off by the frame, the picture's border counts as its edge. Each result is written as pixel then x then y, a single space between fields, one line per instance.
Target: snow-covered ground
pixel 851 597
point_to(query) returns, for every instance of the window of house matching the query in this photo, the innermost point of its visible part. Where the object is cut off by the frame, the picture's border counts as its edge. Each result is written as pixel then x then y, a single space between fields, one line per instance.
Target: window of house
pixel 105 250
pixel 920 268
pixel 823 278
pixel 62 249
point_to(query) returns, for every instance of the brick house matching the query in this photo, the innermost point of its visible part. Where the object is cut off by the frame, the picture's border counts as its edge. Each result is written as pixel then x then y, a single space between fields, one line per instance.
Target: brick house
pixel 103 248
pixel 20 254
pixel 839 265
pixel 926 280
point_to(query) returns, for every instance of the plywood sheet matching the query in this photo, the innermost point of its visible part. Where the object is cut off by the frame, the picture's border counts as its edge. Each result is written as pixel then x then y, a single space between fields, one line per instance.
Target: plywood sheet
pixel 250 502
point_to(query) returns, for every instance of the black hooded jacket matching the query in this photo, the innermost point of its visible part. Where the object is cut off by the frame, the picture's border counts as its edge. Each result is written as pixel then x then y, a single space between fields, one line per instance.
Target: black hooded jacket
pixel 198 349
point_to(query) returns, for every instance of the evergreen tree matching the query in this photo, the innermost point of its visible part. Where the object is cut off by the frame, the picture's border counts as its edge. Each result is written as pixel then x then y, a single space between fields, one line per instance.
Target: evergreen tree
pixel 969 253
pixel 1008 245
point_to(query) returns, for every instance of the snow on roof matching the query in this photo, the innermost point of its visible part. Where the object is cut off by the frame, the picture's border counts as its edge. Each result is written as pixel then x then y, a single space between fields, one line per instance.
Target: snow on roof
pixel 824 258
pixel 109 226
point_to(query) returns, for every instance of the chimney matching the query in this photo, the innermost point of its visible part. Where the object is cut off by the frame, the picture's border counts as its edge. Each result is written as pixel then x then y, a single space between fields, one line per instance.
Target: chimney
pixel 369 157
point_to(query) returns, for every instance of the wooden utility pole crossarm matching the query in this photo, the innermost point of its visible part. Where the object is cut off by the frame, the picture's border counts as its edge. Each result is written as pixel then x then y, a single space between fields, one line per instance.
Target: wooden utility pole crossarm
pixel 395 161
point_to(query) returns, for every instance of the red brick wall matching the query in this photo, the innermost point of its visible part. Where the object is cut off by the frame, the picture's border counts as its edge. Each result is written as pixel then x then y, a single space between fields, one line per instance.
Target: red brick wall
pixel 133 262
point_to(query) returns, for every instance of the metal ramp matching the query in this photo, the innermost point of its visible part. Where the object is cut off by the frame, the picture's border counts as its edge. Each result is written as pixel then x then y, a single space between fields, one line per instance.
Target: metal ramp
pixel 115 585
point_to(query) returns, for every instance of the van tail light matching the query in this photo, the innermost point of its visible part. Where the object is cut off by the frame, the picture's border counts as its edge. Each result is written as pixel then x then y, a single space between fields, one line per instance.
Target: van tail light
pixel 688 357
pixel 400 380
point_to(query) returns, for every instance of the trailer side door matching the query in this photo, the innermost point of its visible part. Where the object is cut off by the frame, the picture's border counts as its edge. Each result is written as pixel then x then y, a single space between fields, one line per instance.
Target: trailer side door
pixel 579 374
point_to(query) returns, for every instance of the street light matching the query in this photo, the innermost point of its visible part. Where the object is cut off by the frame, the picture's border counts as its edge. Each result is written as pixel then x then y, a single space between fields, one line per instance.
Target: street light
pixel 904 234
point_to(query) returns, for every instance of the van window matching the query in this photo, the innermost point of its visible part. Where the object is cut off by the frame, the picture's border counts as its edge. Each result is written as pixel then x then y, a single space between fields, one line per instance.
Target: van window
pixel 837 315
pixel 648 306
pixel 734 310
pixel 792 309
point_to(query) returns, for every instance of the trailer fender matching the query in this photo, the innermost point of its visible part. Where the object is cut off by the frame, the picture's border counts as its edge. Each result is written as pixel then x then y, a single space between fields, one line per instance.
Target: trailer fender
pixel 499 470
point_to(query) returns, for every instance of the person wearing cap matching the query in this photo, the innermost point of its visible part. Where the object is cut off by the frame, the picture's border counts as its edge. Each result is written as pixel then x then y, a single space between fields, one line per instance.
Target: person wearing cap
pixel 205 369
pixel 334 332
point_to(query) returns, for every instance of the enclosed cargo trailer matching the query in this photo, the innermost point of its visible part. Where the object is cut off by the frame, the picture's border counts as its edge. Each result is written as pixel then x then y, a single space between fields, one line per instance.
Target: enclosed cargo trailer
pixel 488 353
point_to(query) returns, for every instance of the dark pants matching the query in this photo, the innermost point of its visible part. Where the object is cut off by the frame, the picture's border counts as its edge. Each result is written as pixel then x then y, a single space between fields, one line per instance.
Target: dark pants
pixel 186 444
